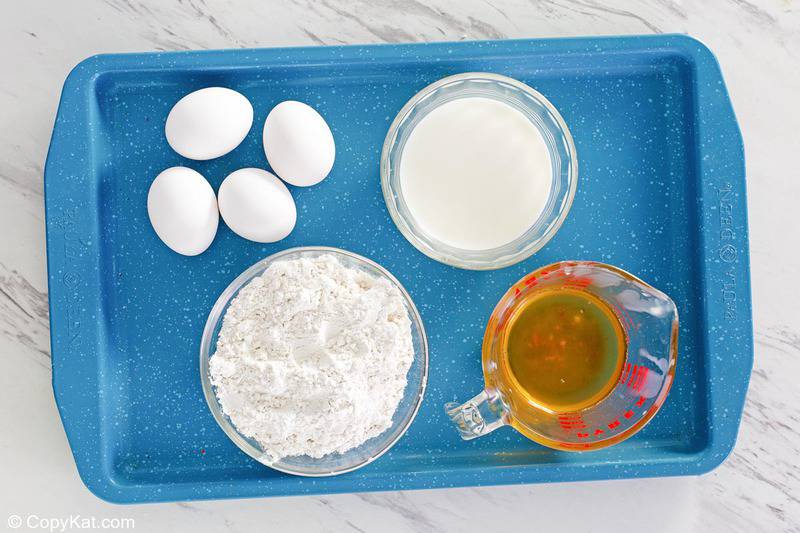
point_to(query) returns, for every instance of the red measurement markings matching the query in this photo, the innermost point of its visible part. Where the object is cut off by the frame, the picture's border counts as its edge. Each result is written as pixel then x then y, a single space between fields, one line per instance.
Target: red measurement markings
pixel 624 317
pixel 531 281
pixel 625 372
pixel 571 421
pixel 516 291
pixel 635 376
pixel 614 424
pixel 641 378
pixel 632 375
pixel 640 402
pixel 579 282
pixel 628 320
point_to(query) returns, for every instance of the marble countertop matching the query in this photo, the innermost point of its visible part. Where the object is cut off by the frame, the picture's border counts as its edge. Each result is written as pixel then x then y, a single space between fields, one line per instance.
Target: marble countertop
pixel 758 45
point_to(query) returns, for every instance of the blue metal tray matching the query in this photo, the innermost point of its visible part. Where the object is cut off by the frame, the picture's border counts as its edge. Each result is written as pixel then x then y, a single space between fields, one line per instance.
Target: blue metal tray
pixel 661 194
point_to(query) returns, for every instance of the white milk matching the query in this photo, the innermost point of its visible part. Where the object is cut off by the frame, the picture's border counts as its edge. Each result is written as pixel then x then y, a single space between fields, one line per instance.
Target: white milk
pixel 475 173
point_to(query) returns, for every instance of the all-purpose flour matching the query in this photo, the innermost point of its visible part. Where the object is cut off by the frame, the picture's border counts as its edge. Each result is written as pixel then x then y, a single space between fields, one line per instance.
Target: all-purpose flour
pixel 312 357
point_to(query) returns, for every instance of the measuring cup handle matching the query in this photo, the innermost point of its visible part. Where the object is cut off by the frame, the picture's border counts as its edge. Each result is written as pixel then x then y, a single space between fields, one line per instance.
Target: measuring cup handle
pixel 481 415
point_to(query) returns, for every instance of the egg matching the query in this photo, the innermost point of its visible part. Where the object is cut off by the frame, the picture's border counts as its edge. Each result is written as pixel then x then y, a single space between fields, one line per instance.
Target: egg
pixel 256 205
pixel 183 210
pixel 208 123
pixel 298 143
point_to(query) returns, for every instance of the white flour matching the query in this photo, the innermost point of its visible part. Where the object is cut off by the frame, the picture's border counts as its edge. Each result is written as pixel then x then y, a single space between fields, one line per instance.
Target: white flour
pixel 312 357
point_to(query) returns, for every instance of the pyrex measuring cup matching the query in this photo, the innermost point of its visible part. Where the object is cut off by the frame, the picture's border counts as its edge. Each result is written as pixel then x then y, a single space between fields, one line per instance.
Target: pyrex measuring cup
pixel 649 320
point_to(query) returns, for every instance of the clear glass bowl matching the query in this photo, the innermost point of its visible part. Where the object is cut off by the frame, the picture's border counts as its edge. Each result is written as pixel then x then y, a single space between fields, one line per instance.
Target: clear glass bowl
pixel 335 463
pixel 539 111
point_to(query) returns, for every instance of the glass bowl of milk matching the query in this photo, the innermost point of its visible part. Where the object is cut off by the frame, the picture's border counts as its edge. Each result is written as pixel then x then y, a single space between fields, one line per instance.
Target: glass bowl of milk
pixel 478 171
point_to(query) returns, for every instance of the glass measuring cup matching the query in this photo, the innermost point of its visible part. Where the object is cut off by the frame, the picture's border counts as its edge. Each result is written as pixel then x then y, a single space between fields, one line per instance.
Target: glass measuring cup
pixel 649 321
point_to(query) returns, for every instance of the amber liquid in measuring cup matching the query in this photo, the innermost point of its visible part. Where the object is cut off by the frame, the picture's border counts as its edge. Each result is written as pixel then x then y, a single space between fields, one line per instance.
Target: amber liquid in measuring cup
pixel 576 356
pixel 564 349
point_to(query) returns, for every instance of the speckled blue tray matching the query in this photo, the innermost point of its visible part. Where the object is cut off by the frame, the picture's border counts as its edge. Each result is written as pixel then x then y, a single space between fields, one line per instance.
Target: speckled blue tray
pixel 661 194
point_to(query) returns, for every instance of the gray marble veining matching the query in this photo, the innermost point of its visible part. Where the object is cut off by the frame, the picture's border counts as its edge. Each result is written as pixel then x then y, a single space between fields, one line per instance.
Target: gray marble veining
pixel 758 45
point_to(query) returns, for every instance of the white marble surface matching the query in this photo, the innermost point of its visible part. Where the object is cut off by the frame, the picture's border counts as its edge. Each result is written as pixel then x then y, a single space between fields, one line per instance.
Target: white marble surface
pixel 758 45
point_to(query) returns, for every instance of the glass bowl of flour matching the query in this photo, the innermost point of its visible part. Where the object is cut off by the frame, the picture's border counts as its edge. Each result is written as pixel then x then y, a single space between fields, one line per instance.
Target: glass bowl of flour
pixel 478 171
pixel 314 361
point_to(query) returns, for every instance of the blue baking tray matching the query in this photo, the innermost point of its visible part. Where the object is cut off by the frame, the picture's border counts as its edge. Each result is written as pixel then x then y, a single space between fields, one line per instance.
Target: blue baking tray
pixel 661 193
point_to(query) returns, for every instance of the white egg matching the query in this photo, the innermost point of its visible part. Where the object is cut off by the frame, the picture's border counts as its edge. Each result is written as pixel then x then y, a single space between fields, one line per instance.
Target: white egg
pixel 183 210
pixel 298 143
pixel 256 205
pixel 208 123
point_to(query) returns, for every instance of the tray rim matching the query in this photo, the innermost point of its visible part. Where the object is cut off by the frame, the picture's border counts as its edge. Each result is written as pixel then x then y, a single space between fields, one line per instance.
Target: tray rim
pixel 76 266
